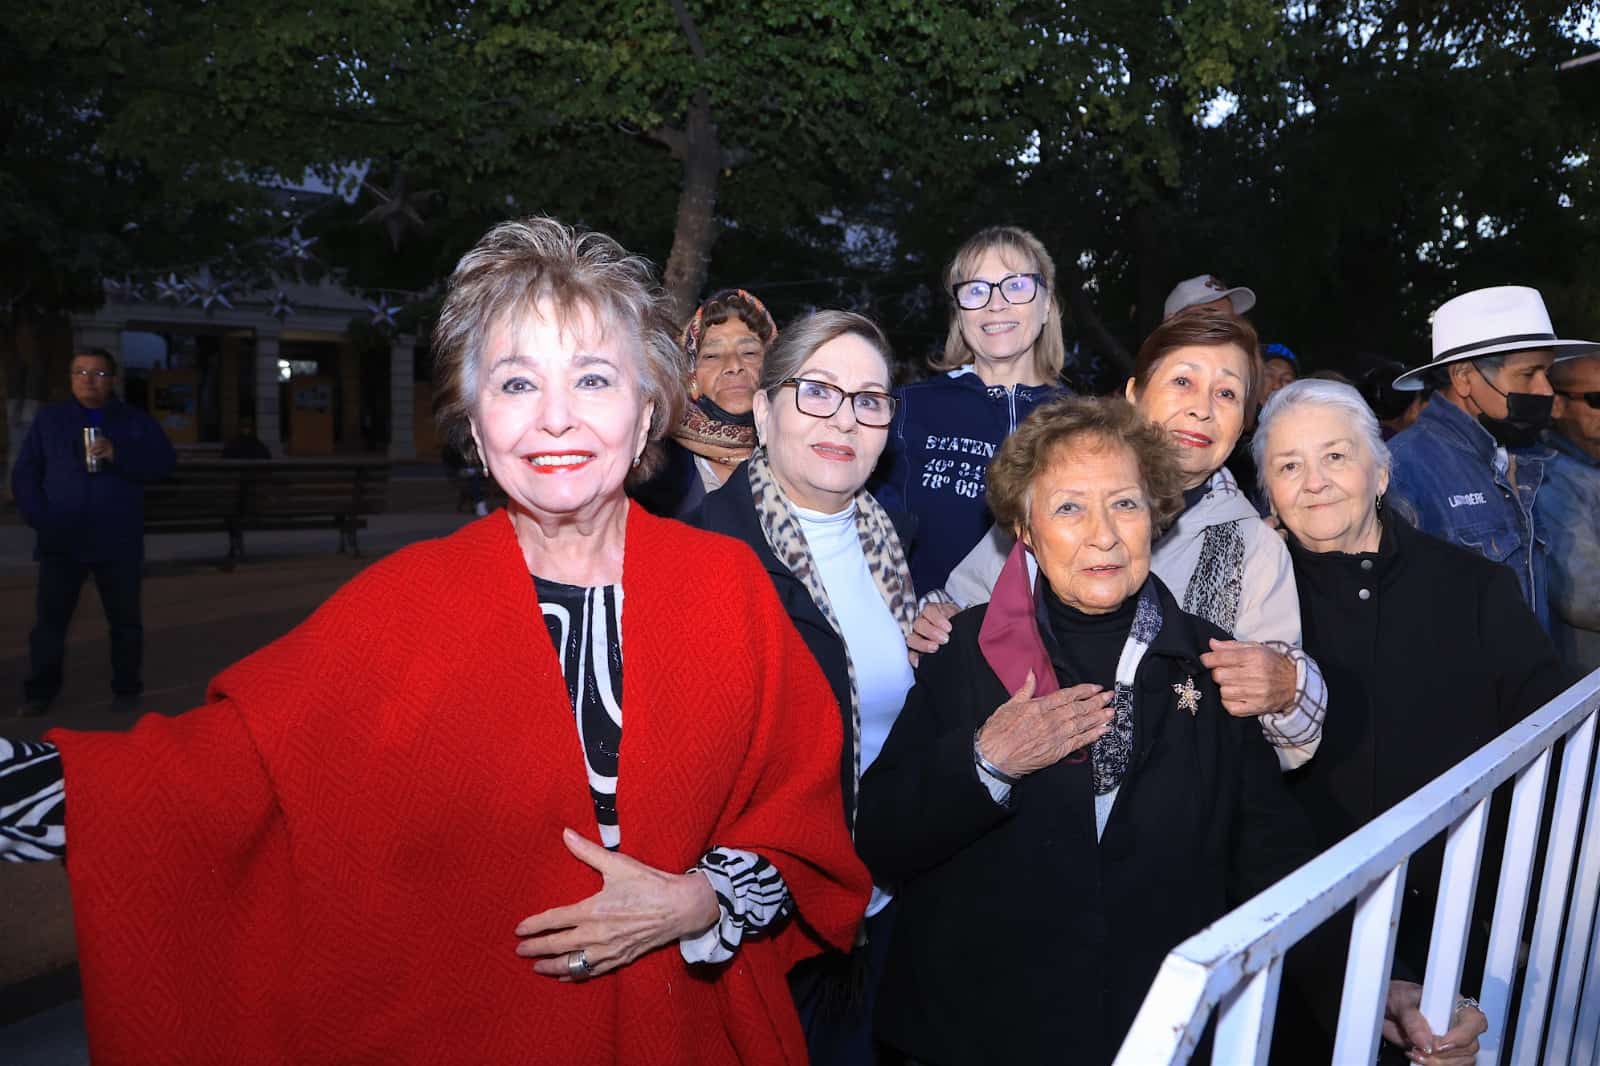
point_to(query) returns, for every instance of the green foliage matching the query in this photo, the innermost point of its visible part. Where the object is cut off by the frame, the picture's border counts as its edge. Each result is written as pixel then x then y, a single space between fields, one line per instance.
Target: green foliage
pixel 1321 152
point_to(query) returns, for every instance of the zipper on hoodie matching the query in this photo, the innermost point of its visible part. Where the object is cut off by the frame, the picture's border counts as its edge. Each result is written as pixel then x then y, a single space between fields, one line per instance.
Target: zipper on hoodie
pixel 1011 395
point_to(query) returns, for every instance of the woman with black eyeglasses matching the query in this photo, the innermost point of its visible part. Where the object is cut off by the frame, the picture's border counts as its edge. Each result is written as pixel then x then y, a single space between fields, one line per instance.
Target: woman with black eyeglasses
pixel 1001 359
pixel 838 561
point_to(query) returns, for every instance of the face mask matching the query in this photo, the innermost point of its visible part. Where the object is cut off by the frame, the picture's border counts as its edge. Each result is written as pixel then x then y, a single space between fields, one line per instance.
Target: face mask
pixel 717 414
pixel 1527 415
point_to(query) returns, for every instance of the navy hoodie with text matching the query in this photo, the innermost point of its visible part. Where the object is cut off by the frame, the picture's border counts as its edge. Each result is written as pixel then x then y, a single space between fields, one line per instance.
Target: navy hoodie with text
pixel 946 429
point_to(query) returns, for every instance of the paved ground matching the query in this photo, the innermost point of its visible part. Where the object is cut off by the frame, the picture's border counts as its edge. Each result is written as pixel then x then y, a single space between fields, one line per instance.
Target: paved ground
pixel 198 619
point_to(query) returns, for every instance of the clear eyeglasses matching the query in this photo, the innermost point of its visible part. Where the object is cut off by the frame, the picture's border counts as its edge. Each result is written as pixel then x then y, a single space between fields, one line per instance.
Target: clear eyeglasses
pixel 98 375
pixel 1014 289
pixel 822 400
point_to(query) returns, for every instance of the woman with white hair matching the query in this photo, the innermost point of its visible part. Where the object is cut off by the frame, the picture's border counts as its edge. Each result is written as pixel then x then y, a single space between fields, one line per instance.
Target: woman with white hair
pixel 1429 652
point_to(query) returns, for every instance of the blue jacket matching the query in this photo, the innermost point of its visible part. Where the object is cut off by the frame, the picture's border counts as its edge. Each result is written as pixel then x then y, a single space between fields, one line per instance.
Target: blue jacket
pixel 91 517
pixel 945 431
pixel 1568 513
pixel 1450 479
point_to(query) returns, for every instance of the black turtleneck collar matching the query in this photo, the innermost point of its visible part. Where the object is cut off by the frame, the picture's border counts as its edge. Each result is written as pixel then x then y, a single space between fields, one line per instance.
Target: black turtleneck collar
pixel 1196 494
pixel 1331 565
pixel 1084 647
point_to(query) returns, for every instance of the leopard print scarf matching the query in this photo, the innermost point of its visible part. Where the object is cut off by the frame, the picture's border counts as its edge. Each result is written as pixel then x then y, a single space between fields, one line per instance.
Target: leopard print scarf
pixel 886 561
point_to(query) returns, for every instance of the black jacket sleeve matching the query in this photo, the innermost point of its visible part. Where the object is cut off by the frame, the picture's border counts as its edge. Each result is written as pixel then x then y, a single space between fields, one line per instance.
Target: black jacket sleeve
pixel 1272 836
pixel 922 800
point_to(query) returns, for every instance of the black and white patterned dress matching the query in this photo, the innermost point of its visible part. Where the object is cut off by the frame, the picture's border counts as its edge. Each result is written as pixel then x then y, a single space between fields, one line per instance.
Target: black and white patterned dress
pixel 586 628
pixel 585 625
pixel 33 810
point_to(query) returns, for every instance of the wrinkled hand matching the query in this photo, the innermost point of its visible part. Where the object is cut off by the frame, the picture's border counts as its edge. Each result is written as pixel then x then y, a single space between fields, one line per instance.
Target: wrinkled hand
pixel 102 449
pixel 639 909
pixel 1404 1026
pixel 931 630
pixel 1027 734
pixel 1252 678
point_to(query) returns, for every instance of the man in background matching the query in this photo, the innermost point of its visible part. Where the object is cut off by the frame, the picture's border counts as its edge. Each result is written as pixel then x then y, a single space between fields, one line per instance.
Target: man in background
pixel 79 482
pixel 1568 511
pixel 1279 367
pixel 1471 468
pixel 1207 290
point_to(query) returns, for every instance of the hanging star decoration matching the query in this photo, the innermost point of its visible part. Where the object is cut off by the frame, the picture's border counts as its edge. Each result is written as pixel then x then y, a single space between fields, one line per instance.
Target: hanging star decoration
pixel 1188 696
pixel 123 288
pixel 383 312
pixel 172 289
pixel 281 307
pixel 399 210
pixel 206 290
pixel 295 246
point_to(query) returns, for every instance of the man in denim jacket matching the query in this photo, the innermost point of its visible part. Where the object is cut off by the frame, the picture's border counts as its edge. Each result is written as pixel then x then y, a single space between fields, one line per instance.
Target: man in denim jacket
pixel 1470 469
pixel 1568 513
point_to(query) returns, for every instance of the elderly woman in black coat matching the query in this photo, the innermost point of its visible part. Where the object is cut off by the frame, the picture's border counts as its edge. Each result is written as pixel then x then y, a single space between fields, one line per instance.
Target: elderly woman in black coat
pixel 1064 798
pixel 1429 652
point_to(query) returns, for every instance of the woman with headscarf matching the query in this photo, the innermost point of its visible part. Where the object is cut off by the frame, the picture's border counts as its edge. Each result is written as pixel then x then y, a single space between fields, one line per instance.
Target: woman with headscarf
pixel 837 559
pixel 724 346
pixel 328 862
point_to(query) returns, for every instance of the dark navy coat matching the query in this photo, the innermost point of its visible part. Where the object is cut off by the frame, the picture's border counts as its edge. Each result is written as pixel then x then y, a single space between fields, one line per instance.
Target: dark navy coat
pixel 90 517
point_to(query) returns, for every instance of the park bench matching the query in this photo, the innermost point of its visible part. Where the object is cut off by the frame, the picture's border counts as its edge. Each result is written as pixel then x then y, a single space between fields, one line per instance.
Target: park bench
pixel 234 496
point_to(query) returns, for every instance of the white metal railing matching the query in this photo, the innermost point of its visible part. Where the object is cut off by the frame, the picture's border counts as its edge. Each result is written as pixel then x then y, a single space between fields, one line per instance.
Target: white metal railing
pixel 1234 965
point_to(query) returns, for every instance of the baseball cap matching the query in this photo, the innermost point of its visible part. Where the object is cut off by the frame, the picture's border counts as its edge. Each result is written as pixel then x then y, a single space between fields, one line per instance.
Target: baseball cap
pixel 1203 289
pixel 1280 351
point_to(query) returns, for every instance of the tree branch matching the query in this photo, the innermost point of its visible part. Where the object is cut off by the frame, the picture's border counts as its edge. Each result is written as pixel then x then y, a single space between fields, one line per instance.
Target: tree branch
pixel 690 30
pixel 676 140
pixel 1095 330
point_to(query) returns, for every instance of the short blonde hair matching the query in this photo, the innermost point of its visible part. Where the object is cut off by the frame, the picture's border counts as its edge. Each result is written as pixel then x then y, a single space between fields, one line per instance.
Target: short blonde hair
pixel 519 263
pixel 1013 243
pixel 1084 421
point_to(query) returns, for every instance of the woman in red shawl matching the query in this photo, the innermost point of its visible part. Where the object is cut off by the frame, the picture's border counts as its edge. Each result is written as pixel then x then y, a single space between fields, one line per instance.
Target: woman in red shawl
pixel 329 861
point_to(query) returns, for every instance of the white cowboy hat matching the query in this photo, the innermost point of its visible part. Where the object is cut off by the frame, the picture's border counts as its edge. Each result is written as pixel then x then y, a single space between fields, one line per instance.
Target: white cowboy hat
pixel 1203 289
pixel 1506 318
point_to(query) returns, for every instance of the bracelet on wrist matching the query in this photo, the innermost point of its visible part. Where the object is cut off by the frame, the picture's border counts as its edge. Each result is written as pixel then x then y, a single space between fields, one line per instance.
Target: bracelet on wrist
pixel 990 768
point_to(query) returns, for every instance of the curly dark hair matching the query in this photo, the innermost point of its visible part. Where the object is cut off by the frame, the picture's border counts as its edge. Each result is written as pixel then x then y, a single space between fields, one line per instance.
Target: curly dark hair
pixel 1073 422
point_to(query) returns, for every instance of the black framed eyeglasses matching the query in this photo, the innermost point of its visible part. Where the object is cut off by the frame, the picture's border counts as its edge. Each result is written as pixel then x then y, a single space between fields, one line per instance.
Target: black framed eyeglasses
pixel 1014 289
pixel 822 400
pixel 1590 398
pixel 98 375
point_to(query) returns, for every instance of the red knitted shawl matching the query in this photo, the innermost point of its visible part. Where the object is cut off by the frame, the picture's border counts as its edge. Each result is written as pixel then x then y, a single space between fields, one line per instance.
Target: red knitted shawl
pixel 327 861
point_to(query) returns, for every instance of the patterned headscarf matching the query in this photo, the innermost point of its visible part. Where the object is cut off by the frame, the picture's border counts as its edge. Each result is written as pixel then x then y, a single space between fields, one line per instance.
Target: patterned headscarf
pixel 695 330
pixel 707 430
